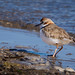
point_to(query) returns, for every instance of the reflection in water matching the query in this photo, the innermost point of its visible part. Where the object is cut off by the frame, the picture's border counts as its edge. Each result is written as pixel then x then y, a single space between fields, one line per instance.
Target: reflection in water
pixel 60 62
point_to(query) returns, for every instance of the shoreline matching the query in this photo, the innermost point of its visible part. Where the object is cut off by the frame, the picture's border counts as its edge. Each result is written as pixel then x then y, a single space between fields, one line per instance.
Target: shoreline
pixel 23 25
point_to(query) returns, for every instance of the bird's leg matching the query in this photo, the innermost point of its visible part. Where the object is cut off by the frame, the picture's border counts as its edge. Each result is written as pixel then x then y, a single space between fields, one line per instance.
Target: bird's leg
pixel 59 50
pixel 55 50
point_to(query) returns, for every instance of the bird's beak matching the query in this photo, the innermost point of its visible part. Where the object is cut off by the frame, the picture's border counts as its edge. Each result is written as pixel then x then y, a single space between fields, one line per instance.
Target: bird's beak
pixel 38 25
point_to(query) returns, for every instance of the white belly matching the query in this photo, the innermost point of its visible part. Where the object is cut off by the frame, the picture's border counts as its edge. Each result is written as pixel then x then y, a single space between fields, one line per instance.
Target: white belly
pixel 51 41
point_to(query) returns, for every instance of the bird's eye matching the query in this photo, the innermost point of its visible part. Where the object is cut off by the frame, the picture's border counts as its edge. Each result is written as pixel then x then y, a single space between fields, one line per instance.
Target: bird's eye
pixel 45 23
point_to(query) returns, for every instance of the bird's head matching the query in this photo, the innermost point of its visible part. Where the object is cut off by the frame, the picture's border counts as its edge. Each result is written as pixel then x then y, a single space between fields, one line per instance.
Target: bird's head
pixel 45 21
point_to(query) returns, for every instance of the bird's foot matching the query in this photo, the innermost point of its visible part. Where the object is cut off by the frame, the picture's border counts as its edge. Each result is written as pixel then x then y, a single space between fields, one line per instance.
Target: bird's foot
pixel 52 55
pixel 49 55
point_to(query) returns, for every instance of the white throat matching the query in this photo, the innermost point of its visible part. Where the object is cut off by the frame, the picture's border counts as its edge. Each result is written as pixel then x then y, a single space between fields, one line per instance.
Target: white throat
pixel 43 25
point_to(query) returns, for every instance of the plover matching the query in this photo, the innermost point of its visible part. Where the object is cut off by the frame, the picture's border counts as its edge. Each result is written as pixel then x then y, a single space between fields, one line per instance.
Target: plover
pixel 53 35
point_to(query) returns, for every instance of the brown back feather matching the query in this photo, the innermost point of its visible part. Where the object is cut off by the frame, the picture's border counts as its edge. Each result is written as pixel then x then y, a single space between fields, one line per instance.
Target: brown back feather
pixel 55 32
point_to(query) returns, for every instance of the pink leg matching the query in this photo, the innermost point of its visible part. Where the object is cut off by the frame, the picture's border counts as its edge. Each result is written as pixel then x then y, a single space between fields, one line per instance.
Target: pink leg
pixel 59 50
pixel 55 50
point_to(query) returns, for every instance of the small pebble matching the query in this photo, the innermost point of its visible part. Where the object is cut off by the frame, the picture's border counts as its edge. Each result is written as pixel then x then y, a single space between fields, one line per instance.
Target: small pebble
pixel 69 69
pixel 59 68
pixel 47 63
pixel 69 54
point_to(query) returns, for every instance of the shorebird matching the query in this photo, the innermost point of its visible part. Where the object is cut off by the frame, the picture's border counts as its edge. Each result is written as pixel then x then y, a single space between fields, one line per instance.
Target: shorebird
pixel 53 35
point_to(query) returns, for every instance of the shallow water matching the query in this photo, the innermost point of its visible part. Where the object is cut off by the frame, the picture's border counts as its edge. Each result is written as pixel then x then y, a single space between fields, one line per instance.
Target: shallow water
pixel 9 38
pixel 62 12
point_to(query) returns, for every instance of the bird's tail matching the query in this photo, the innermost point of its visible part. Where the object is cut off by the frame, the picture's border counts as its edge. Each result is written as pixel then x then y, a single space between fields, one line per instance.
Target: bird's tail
pixel 73 39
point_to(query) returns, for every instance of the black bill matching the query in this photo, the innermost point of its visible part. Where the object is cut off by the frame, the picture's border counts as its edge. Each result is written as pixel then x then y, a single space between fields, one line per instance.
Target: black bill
pixel 38 25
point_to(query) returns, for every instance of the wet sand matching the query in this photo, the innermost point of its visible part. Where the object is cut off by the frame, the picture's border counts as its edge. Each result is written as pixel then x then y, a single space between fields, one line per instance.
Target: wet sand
pixel 14 62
